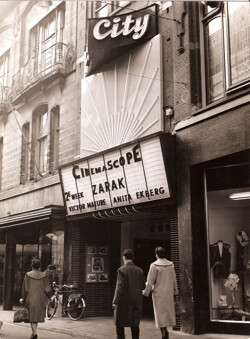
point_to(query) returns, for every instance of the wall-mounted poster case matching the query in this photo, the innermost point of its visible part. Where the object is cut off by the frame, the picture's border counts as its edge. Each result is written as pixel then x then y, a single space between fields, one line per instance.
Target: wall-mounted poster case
pixel 97 264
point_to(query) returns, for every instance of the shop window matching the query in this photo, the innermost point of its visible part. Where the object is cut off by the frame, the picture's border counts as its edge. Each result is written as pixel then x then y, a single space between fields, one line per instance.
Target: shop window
pixel 4 69
pixel 1 160
pixel 25 153
pixel 54 139
pixel 40 129
pixel 51 251
pixel 46 41
pixel 105 8
pixel 227 52
pixel 227 202
pixel 48 247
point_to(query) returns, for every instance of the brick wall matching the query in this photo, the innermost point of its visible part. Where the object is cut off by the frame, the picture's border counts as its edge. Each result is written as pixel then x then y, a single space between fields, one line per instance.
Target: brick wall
pixel 99 295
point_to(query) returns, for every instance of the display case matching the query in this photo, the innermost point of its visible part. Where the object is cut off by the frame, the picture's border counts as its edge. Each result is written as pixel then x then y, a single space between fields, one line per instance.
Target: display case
pixel 97 264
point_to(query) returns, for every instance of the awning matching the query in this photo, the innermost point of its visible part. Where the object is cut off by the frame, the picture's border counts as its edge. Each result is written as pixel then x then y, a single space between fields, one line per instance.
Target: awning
pixel 158 209
pixel 36 215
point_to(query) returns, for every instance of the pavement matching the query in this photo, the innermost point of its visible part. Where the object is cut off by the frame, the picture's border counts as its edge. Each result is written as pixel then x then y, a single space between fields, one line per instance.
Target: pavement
pixel 103 328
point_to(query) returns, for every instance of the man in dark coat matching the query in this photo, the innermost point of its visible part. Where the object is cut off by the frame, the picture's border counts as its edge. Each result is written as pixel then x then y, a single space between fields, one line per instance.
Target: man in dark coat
pixel 127 302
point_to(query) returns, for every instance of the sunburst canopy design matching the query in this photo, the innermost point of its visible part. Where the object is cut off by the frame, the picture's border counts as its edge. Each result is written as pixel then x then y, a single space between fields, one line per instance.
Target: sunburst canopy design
pixel 124 102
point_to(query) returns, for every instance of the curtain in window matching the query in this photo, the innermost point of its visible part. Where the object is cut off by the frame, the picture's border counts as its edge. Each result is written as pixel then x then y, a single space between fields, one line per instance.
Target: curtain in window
pixel 214 59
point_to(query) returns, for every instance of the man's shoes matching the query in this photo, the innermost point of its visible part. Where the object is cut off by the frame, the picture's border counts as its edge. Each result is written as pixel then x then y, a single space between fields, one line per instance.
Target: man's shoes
pixel 34 336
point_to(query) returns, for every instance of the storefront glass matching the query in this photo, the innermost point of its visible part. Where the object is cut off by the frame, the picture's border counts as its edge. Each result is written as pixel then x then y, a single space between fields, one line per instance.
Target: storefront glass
pixel 228 243
pixel 49 247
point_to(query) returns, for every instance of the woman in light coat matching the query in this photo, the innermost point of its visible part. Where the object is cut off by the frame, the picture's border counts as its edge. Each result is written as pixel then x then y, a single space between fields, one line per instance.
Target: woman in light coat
pixel 35 288
pixel 161 281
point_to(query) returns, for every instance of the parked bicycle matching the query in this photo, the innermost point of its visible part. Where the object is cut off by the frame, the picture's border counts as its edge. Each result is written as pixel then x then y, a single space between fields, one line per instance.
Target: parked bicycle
pixel 73 303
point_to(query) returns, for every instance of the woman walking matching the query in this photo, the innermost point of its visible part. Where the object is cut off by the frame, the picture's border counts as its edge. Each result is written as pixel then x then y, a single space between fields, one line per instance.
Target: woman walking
pixel 35 288
pixel 161 281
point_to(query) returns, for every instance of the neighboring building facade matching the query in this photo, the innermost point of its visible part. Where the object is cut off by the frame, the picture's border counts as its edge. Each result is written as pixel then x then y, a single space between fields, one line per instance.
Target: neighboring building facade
pixel 39 114
pixel 212 165
pixel 128 130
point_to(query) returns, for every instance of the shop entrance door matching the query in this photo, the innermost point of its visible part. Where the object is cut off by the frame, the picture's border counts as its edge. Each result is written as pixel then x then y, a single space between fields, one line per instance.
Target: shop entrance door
pixel 144 256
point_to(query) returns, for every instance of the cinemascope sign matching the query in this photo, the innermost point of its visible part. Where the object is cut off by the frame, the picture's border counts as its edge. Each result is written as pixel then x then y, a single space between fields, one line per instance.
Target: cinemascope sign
pixel 129 175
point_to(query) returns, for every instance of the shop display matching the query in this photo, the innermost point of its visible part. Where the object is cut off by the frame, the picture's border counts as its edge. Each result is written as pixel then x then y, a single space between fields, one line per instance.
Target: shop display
pixel 222 301
pixel 230 274
pixel 220 257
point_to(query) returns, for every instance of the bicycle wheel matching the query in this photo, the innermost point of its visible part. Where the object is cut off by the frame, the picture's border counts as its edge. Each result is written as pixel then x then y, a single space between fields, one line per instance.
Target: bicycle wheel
pixel 76 308
pixel 51 308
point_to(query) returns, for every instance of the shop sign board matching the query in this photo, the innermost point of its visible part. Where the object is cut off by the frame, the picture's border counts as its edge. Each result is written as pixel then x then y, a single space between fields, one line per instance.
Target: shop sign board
pixel 113 36
pixel 130 174
pixel 124 29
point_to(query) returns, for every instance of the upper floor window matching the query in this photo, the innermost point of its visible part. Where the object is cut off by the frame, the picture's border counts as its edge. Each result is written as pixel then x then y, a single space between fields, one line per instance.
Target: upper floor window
pixel 54 139
pixel 227 51
pixel 25 153
pixel 4 69
pixel 45 36
pixel 105 8
pixel 40 140
pixel 45 141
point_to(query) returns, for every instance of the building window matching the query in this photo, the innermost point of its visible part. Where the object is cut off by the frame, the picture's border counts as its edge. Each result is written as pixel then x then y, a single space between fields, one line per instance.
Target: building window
pixel 1 160
pixel 40 131
pixel 54 139
pixel 106 8
pixel 4 69
pixel 25 153
pixel 227 51
pixel 46 40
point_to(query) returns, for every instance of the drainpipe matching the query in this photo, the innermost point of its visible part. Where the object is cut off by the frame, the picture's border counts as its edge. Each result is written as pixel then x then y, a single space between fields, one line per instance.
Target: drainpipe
pixel 181 29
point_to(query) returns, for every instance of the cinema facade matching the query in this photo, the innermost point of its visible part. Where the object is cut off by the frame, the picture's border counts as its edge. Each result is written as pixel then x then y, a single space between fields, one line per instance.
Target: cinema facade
pixel 140 184
pixel 121 192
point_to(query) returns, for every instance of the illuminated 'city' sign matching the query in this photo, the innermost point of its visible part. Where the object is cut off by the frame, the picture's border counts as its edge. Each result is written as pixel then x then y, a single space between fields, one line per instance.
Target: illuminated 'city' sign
pixel 116 27
pixel 111 37
pixel 132 174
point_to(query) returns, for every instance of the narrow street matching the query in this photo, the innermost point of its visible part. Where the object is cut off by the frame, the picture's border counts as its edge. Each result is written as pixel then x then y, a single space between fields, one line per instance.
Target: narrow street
pixel 11 331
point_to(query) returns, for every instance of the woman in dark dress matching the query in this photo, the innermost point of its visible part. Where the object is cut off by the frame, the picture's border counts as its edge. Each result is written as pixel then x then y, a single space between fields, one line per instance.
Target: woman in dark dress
pixel 35 288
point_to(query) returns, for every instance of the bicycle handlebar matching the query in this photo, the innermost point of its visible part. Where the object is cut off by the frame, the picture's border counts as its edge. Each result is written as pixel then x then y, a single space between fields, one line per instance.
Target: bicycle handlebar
pixel 67 287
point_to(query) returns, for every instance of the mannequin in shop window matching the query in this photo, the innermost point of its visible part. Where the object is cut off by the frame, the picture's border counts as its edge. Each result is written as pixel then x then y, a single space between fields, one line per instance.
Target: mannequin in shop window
pixel 220 259
pixel 242 251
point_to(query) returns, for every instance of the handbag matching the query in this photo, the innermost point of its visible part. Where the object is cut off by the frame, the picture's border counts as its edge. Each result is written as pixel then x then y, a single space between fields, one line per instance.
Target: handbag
pixel 179 309
pixel 21 315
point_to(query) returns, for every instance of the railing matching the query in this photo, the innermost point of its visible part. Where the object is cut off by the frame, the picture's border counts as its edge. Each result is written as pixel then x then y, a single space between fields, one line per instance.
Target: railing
pixel 50 60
